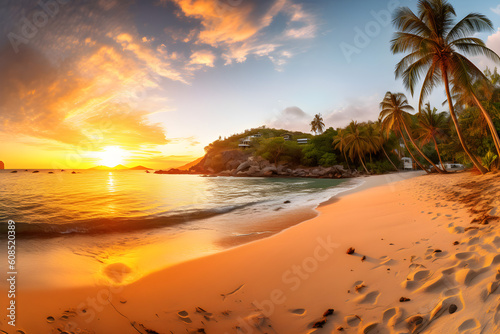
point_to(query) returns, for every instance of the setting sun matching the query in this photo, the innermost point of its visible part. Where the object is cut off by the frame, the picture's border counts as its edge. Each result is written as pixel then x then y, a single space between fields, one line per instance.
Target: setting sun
pixel 111 156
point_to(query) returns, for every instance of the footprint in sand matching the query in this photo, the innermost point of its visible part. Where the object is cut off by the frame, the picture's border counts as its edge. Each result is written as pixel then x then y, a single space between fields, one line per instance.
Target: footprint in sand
pixel 352 320
pixel 184 315
pixel 392 316
pixel 369 298
pixel 464 255
pixel 298 311
pixel 469 325
pixel 470 276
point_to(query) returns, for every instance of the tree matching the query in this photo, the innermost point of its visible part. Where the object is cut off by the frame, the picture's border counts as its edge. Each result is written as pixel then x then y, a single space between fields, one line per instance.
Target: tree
pixel 432 126
pixel 277 149
pixel 317 124
pixel 340 143
pixel 394 113
pixel 432 42
pixel 467 94
pixel 357 143
pixel 377 140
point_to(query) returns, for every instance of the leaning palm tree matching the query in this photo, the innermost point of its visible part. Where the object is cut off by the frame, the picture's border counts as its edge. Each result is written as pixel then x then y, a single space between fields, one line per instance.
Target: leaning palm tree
pixel 317 124
pixel 433 44
pixel 340 142
pixel 377 139
pixel 432 126
pixel 467 96
pixel 394 114
pixel 357 143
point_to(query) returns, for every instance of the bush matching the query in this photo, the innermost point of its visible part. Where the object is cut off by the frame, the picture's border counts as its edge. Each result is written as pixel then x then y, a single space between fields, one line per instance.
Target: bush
pixel 379 167
pixel 328 160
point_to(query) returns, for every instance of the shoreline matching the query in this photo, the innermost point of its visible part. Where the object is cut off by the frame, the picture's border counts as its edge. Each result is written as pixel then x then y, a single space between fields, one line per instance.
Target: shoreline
pixel 274 283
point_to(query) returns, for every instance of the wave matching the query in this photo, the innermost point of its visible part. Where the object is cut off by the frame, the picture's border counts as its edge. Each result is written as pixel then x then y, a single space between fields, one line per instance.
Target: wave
pixel 118 224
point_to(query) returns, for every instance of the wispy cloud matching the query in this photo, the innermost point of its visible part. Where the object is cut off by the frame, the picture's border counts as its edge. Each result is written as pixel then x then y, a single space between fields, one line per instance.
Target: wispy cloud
pixel 496 10
pixel 240 31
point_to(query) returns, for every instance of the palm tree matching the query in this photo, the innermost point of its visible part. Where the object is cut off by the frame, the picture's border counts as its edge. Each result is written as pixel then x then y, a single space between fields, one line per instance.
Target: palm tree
pixel 433 43
pixel 317 124
pixel 394 113
pixel 466 96
pixel 340 143
pixel 377 139
pixel 357 143
pixel 432 126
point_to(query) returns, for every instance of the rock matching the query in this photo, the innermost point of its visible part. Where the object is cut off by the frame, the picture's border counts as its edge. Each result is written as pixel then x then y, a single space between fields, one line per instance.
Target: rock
pixel 253 170
pixel 328 312
pixel 233 164
pixel 243 166
pixel 225 173
pixel 350 250
pixel 456 243
pixel 271 169
pixel 319 324
pixel 404 299
pixel 452 309
pixel 437 251
pixel 287 202
pixel 359 287
pixel 363 258
pixel 241 174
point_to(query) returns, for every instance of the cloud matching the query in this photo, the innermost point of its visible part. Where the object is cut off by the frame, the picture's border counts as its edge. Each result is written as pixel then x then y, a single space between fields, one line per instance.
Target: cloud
pixel 302 25
pixel 291 118
pixel 360 109
pixel 203 57
pixel 492 42
pixel 189 141
pixel 65 105
pixel 239 28
pixel 496 10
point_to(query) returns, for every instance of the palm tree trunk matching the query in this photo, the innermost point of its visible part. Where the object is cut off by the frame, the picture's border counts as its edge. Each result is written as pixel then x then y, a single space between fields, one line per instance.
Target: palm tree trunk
pixel 387 156
pixel 491 125
pixel 418 149
pixel 361 159
pixel 345 157
pixel 481 169
pixel 409 151
pixel 439 155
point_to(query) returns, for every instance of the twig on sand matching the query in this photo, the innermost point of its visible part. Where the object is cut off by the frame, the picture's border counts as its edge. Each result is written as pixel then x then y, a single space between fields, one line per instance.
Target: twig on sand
pixel 132 323
pixel 224 295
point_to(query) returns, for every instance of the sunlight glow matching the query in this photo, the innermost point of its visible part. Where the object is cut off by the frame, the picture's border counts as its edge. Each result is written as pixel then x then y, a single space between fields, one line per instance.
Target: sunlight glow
pixel 112 156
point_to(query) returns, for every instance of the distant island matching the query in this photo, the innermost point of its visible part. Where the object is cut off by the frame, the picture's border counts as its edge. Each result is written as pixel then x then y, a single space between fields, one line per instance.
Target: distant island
pixel 120 167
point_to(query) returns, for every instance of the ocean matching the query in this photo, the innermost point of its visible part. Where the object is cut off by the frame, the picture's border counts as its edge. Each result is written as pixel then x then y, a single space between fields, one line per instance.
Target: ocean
pixel 73 225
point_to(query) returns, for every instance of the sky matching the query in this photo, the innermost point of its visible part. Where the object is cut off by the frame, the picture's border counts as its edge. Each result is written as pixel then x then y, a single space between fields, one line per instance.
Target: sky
pixel 152 82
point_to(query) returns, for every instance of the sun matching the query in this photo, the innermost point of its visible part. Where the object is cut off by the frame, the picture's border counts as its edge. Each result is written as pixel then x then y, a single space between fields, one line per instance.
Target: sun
pixel 111 156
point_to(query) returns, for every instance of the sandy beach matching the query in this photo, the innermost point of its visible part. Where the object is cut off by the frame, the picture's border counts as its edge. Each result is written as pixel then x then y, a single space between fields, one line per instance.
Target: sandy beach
pixel 425 261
